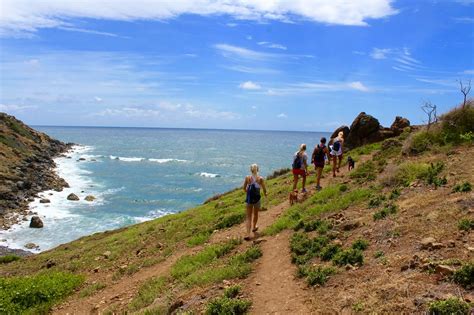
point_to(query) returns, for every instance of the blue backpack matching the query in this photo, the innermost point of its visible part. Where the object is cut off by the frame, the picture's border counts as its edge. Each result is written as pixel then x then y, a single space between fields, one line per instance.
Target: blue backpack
pixel 336 146
pixel 297 162
pixel 253 193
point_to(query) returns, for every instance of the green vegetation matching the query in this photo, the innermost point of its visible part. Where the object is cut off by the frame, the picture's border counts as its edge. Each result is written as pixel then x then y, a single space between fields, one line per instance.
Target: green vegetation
pixel 466 224
pixel 360 244
pixel 148 292
pixel 316 275
pixel 395 194
pixel 199 239
pixel 349 257
pixel 358 307
pixel 36 294
pixel 229 303
pixel 449 307
pixel 366 172
pixel 90 290
pixel 385 212
pixel 432 177
pixel 464 276
pixel 328 252
pixel 464 187
pixel 379 254
pixel 9 258
pixel 376 201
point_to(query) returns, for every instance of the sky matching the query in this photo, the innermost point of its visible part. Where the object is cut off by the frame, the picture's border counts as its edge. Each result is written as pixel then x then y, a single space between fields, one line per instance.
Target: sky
pixel 309 65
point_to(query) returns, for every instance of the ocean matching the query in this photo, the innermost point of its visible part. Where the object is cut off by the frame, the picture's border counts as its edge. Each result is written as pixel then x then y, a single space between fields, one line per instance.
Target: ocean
pixel 138 174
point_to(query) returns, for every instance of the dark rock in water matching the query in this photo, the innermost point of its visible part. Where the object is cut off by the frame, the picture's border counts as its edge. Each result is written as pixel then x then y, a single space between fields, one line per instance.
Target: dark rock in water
pixel 73 197
pixel 89 198
pixel 81 159
pixel 36 222
pixel 31 246
pixel 344 129
pixel 45 200
pixel 399 125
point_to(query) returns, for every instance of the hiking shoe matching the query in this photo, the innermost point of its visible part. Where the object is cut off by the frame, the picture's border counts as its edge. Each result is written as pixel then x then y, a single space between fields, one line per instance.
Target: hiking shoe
pixel 304 190
pixel 318 188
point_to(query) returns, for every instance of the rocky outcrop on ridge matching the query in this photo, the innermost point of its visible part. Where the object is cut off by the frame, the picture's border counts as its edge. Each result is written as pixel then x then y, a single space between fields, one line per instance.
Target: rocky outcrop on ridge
pixel 26 167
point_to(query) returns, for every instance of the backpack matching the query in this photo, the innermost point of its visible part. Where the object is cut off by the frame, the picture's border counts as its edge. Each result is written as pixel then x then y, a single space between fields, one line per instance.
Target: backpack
pixel 297 162
pixel 318 154
pixel 253 193
pixel 336 146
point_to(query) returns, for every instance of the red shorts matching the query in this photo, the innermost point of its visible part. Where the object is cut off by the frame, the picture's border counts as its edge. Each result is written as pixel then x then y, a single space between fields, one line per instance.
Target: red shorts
pixel 299 171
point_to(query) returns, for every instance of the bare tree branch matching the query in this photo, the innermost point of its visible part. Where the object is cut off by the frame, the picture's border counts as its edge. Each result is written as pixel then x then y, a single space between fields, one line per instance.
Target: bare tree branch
pixel 465 89
pixel 430 110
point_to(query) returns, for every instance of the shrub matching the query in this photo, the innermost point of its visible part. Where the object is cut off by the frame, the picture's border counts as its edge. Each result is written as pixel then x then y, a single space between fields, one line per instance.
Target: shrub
pixel 232 292
pixel 319 275
pixel 458 122
pixel 328 252
pixel 225 305
pixel 349 256
pixel 379 254
pixel 9 258
pixel 312 225
pixel 464 276
pixel 376 201
pixel 464 187
pixel 408 172
pixel 394 194
pixel 343 188
pixel 361 244
pixel 37 293
pixel 449 307
pixel 424 140
pixel 432 177
pixel 385 212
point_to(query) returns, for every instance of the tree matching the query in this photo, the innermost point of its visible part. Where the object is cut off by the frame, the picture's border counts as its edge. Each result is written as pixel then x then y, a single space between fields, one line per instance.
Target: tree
pixel 465 89
pixel 430 110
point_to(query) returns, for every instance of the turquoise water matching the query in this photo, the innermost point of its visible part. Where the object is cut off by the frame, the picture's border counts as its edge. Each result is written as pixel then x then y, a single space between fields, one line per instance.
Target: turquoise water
pixel 138 174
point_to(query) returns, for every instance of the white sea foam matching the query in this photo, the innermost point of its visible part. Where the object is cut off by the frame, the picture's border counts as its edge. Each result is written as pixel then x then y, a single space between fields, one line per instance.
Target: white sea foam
pixel 161 161
pixel 158 213
pixel 209 175
pixel 127 159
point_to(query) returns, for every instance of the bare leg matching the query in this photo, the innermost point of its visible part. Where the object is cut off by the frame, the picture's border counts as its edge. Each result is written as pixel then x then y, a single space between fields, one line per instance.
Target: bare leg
pixel 295 181
pixel 320 172
pixel 340 161
pixel 304 181
pixel 255 217
pixel 249 219
pixel 334 164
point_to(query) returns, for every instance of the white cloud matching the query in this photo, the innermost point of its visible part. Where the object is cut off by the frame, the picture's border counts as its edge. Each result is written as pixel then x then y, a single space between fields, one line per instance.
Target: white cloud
pixel 29 16
pixel 255 70
pixel 15 108
pixel 97 99
pixel 249 37
pixel 128 112
pixel 254 107
pixel 468 72
pixel 82 30
pixel 464 19
pixel 249 85
pixel 359 86
pixel 232 24
pixel 211 114
pixel 272 45
pixel 380 53
pixel 231 51
pixel 282 115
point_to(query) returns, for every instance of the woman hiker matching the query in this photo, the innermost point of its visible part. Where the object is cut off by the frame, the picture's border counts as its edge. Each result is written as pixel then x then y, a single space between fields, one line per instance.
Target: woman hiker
pixel 300 167
pixel 252 186
pixel 336 152
pixel 319 160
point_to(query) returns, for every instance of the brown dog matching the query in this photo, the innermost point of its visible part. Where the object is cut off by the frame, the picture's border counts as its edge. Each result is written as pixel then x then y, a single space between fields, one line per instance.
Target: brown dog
pixel 293 197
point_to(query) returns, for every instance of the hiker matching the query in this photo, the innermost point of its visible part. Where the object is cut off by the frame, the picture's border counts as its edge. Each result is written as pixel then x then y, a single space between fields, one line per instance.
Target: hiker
pixel 336 152
pixel 318 158
pixel 300 167
pixel 252 185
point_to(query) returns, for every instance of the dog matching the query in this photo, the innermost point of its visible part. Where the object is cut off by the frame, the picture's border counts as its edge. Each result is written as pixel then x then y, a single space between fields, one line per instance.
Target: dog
pixel 293 197
pixel 351 163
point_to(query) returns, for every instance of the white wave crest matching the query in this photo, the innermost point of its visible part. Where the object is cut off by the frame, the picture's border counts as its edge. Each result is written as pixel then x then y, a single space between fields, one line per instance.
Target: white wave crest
pixel 209 175
pixel 161 161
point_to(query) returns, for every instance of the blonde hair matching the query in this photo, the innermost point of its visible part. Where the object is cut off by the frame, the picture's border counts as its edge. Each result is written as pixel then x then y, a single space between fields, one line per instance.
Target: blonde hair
pixel 303 147
pixel 254 169
pixel 341 134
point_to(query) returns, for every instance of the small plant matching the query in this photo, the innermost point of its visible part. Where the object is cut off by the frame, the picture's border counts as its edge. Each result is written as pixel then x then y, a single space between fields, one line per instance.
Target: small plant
pixel 433 171
pixel 464 276
pixel 449 307
pixel 317 275
pixel 361 244
pixel 467 137
pixel 376 201
pixel 232 292
pixel 349 257
pixel 225 305
pixel 466 225
pixel 358 307
pixel 385 212
pixel 9 258
pixel 328 252
pixel 464 187
pixel 379 254
pixel 343 188
pixel 312 225
pixel 395 194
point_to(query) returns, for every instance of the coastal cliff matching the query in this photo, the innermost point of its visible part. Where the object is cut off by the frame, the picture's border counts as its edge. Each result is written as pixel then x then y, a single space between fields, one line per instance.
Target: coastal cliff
pixel 26 167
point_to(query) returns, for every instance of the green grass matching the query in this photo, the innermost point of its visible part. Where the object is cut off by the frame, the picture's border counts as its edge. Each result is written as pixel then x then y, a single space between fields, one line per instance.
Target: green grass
pixel 464 276
pixel 383 213
pixel 36 294
pixel 148 292
pixel 464 187
pixel 228 306
pixel 199 239
pixel 409 172
pixel 9 258
pixel 364 173
pixel 90 290
pixel 232 292
pixel 449 307
pixel 349 257
pixel 466 224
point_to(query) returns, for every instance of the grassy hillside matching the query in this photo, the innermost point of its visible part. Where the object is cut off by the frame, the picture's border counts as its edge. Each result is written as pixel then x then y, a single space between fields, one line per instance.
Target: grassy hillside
pixel 394 235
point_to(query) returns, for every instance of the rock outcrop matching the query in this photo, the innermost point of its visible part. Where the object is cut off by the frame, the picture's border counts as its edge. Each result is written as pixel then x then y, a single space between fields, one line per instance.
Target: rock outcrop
pixel 26 167
pixel 367 129
pixel 36 222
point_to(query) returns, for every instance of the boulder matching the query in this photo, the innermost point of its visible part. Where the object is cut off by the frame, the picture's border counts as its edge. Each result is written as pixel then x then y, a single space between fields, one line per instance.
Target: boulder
pixel 365 129
pixel 45 200
pixel 399 124
pixel 427 242
pixel 89 198
pixel 31 246
pixel 444 270
pixel 36 222
pixel 72 197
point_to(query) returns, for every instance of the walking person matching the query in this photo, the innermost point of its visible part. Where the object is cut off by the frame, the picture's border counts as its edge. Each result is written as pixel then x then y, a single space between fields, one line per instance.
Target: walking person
pixel 300 167
pixel 252 186
pixel 337 152
pixel 318 158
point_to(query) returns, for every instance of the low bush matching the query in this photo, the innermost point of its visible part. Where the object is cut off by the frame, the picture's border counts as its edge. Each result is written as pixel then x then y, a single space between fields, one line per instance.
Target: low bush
pixel 432 177
pixel 409 172
pixel 449 307
pixel 328 252
pixel 464 276
pixel 466 224
pixel 361 244
pixel 457 123
pixel 385 212
pixel 394 194
pixel 464 187
pixel 315 275
pixel 232 292
pixel 225 305
pixel 278 173
pixel 349 257
pixel 36 294
pixel 376 201
pixel 9 258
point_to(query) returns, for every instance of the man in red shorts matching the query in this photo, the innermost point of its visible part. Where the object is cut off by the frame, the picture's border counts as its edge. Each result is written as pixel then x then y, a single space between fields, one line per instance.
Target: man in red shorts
pixel 318 159
pixel 300 167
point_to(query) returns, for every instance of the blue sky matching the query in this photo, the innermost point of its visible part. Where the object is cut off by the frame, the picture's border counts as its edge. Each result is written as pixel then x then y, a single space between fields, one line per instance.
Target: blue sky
pixel 278 65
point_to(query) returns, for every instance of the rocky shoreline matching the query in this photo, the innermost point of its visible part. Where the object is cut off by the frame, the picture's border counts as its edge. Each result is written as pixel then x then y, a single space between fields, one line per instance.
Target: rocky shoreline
pixel 26 168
